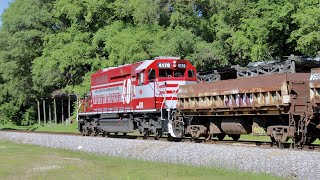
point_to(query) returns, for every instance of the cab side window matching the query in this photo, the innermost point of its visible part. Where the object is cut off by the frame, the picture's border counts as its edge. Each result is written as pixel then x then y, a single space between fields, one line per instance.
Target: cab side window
pixel 151 74
pixel 190 73
pixel 141 78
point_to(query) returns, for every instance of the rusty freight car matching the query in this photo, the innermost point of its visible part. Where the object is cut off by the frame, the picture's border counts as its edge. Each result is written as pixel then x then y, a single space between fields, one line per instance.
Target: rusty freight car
pixel 278 105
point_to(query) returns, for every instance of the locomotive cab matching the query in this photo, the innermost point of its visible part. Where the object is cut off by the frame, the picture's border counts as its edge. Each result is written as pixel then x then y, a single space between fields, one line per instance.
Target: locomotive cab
pixel 167 70
pixel 162 77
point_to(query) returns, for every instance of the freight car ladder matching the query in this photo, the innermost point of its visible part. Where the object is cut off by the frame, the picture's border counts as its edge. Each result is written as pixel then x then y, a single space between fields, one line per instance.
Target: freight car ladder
pixel 300 111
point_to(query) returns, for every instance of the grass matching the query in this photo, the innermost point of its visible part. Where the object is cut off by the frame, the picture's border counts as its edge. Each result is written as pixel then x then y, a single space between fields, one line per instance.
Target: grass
pixel 13 127
pixel 59 128
pixel 249 137
pixel 47 127
pixel 19 161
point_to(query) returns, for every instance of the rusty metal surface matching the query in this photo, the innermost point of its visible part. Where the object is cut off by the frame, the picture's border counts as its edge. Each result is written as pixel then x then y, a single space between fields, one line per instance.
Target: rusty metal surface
pixel 315 87
pixel 265 92
pixel 233 86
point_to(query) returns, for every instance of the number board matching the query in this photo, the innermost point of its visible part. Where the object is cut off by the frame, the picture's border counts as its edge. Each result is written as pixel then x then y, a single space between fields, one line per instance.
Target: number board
pixel 164 65
pixel 181 65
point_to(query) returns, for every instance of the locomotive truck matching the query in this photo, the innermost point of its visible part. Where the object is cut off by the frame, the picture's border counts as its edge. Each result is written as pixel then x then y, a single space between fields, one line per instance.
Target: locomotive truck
pixel 163 96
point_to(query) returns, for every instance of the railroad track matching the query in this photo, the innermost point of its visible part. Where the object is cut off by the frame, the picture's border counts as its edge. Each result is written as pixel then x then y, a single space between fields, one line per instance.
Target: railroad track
pixel 249 143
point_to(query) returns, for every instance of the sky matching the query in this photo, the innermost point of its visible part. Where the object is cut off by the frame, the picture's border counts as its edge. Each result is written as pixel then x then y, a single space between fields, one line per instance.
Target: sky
pixel 3 5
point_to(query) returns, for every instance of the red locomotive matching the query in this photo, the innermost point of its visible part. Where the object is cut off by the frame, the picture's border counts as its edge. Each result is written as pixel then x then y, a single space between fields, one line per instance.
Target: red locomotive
pixel 138 96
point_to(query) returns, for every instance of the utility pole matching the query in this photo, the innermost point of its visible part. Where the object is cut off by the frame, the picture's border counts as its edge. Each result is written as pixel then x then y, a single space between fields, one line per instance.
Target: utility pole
pixel 55 110
pixel 38 104
pixel 77 108
pixel 44 110
pixel 62 116
pixel 49 111
pixel 69 107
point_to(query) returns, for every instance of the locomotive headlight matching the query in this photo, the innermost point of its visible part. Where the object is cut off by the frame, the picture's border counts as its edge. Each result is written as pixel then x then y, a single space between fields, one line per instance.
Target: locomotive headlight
pixel 174 64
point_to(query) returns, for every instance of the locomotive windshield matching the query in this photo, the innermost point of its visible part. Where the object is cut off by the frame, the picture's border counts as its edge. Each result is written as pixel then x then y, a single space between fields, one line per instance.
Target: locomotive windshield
pixel 179 73
pixel 165 72
pixel 171 73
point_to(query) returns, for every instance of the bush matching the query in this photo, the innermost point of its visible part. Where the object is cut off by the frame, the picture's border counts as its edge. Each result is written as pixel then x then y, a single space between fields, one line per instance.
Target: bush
pixel 8 113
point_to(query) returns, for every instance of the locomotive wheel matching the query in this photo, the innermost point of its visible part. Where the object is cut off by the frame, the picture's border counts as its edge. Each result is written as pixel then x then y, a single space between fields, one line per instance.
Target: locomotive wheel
pixel 145 135
pixel 221 136
pixel 89 133
pixel 124 134
pixel 115 133
pixel 96 132
pixel 88 129
pixel 158 135
pixel 235 137
pixel 84 132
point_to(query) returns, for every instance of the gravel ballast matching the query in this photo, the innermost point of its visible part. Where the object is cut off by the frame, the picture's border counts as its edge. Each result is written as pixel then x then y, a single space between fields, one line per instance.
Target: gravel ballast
pixel 282 162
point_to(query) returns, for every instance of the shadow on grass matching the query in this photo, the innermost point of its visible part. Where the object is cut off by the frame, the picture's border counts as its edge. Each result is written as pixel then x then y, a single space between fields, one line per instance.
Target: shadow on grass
pixel 18 128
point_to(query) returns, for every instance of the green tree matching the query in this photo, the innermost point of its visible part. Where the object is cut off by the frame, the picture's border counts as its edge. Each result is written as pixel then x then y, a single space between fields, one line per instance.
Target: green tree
pixel 263 31
pixel 307 36
pixel 49 45
pixel 66 58
pixel 24 24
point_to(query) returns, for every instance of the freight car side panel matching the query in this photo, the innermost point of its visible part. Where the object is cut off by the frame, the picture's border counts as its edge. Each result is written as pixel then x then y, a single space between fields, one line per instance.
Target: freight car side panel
pixel 267 94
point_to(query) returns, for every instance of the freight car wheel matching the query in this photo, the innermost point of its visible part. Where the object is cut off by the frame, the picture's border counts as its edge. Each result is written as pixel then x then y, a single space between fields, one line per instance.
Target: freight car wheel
pixel 173 139
pixel 273 141
pixel 221 136
pixel 208 137
pixel 310 140
pixel 103 134
pixel 235 137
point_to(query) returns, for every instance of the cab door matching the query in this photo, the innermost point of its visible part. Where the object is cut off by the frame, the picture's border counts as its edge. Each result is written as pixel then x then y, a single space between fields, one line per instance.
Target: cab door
pixel 145 91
